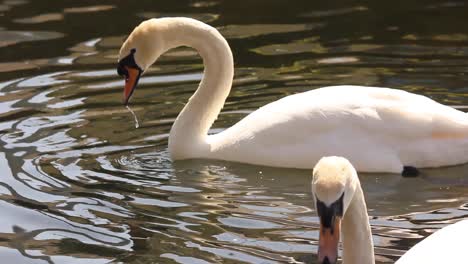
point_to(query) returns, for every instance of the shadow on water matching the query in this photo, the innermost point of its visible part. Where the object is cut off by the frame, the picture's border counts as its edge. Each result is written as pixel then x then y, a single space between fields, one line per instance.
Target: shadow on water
pixel 81 184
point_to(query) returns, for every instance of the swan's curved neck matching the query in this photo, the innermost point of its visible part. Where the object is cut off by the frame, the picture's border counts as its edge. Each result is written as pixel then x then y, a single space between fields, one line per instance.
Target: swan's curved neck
pixel 188 137
pixel 356 232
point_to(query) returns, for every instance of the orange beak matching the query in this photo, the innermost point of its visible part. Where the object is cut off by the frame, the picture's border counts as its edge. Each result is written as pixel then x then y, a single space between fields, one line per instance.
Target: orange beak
pixel 328 242
pixel 131 81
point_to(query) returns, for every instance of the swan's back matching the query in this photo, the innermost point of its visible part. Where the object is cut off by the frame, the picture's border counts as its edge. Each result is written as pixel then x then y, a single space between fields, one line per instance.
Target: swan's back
pixel 447 245
pixel 364 107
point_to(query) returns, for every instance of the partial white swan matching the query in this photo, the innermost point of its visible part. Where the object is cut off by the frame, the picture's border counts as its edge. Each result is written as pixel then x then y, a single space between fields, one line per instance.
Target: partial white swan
pixel 378 129
pixel 342 210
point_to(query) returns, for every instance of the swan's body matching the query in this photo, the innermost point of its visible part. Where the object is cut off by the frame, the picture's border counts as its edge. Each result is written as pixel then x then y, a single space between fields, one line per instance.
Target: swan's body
pixel 378 129
pixel 335 177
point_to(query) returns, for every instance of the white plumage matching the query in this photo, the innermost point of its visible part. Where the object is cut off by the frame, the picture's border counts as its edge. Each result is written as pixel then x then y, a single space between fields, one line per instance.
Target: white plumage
pixel 377 129
pixel 447 245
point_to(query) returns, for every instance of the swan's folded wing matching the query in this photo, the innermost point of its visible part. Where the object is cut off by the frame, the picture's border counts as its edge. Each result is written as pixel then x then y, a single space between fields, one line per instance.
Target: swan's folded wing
pixel 421 120
pixel 375 112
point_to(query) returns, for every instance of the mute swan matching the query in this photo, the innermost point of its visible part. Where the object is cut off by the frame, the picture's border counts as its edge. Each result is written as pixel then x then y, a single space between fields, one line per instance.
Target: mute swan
pixel 340 205
pixel 378 129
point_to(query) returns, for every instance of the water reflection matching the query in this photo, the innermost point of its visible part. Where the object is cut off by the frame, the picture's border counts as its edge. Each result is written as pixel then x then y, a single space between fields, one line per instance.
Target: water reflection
pixel 81 184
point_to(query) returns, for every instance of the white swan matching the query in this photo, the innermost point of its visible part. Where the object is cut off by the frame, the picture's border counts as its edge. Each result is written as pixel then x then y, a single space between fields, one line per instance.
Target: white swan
pixel 341 207
pixel 378 129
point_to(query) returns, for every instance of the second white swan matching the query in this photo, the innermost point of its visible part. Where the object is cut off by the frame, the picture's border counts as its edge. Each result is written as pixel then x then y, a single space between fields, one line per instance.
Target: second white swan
pixel 377 129
pixel 342 210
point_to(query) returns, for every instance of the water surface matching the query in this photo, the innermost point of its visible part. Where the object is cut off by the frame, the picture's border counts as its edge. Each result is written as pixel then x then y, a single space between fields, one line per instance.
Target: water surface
pixel 80 184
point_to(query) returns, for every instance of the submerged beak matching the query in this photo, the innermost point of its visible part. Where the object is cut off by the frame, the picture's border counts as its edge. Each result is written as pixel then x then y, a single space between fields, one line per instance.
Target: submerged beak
pixel 131 80
pixel 328 242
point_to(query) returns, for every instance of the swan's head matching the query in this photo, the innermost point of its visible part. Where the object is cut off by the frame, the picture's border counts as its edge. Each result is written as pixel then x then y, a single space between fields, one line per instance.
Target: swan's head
pixel 141 49
pixel 333 185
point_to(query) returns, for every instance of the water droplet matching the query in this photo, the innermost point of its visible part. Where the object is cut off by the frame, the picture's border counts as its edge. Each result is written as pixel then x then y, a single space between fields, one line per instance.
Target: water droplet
pixel 137 124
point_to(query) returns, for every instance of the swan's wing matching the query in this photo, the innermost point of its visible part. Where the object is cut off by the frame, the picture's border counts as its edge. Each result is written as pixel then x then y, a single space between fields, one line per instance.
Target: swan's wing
pixel 374 111
pixel 447 245
pixel 417 117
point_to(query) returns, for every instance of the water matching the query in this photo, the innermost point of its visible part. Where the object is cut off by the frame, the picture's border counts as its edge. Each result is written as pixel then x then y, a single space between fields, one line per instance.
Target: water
pixel 83 182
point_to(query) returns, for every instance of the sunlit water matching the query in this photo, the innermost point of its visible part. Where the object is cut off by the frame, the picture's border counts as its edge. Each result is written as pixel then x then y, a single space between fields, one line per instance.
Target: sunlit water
pixel 84 181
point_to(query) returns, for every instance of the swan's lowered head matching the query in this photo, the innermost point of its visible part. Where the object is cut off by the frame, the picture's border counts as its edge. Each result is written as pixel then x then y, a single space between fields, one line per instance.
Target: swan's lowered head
pixel 149 40
pixel 141 49
pixel 336 189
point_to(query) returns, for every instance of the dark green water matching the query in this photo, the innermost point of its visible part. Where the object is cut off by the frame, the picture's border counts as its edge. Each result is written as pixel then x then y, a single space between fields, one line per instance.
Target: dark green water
pixel 80 184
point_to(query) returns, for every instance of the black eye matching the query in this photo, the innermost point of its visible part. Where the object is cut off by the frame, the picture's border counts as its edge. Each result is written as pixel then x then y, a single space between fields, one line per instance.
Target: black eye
pixel 122 71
